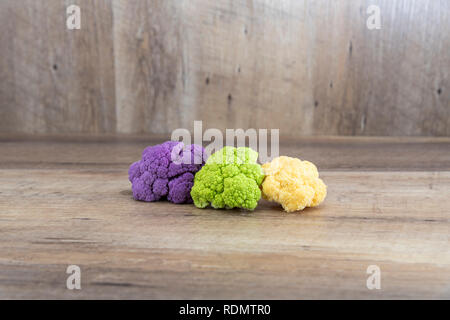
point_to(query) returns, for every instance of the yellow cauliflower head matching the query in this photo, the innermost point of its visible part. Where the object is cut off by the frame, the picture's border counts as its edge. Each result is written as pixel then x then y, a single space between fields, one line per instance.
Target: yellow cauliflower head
pixel 293 183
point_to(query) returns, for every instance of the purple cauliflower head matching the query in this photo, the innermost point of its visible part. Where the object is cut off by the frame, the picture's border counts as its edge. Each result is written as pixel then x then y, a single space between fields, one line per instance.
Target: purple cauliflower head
pixel 166 171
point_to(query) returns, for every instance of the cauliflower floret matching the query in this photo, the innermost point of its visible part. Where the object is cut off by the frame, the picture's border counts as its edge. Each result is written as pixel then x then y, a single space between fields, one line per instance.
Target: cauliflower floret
pixel 229 179
pixel 293 183
pixel 157 176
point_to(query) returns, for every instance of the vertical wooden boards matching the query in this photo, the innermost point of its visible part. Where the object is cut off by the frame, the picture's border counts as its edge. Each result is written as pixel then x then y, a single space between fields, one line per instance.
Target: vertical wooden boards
pixel 150 66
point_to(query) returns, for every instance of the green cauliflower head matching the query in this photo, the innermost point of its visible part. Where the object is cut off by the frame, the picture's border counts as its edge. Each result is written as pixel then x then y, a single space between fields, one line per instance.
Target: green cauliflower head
pixel 229 179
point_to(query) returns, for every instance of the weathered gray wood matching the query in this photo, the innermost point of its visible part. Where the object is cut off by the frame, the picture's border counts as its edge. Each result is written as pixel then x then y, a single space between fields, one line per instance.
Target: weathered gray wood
pixel 57 80
pixel 306 67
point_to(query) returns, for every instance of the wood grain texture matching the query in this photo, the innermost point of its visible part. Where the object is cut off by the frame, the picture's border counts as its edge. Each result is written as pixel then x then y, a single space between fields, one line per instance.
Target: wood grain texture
pixel 150 66
pixel 329 153
pixel 57 80
pixel 68 201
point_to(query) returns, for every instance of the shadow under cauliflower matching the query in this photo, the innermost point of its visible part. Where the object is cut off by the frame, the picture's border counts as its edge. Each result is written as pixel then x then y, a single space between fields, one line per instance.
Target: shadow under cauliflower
pixel 293 183
pixel 229 179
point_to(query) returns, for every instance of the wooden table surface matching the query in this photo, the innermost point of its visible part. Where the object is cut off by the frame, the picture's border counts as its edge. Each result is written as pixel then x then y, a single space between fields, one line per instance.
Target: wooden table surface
pixel 67 201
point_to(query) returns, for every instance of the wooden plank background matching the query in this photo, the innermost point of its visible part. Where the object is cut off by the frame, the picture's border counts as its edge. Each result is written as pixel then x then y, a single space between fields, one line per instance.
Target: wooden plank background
pixel 150 66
